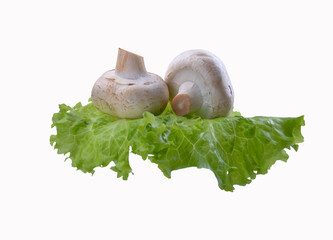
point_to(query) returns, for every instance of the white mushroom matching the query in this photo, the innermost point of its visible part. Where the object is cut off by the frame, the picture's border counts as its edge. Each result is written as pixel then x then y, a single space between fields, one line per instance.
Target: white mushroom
pixel 129 90
pixel 198 82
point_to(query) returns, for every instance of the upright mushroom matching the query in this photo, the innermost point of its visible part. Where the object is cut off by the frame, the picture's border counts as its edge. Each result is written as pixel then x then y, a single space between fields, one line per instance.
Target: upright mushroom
pixel 129 90
pixel 198 82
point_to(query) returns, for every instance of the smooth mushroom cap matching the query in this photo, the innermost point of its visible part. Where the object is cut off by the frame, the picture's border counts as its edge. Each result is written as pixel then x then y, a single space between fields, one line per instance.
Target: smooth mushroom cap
pixel 128 91
pixel 210 96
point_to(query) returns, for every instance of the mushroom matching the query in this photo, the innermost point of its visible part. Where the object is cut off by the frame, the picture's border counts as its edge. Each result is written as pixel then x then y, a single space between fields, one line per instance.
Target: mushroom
pixel 199 83
pixel 129 90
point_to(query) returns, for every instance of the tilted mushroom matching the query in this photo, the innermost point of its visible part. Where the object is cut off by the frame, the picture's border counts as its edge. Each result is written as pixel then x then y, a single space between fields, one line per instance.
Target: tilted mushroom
pixel 198 82
pixel 129 90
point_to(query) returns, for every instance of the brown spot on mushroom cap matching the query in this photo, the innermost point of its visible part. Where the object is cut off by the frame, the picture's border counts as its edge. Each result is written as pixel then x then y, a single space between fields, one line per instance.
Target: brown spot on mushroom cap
pixel 230 89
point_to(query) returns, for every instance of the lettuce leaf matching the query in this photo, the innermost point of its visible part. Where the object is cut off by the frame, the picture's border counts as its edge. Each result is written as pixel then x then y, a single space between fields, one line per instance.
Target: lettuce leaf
pixel 234 148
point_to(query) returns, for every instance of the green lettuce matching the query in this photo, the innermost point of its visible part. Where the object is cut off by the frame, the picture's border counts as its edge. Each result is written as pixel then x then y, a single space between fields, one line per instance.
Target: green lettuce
pixel 234 148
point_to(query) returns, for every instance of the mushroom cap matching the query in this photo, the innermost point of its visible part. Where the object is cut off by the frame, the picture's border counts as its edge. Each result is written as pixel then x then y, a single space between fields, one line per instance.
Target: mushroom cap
pixel 130 98
pixel 208 72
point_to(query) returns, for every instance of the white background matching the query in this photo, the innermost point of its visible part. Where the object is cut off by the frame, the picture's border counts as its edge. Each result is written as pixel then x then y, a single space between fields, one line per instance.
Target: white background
pixel 279 57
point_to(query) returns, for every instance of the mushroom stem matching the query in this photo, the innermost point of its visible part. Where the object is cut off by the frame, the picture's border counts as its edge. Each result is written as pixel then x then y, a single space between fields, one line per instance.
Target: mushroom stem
pixel 129 65
pixel 187 100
